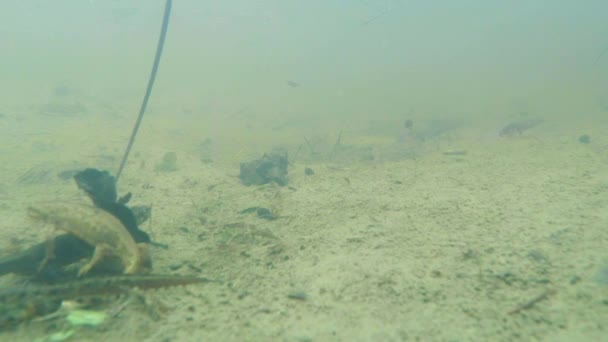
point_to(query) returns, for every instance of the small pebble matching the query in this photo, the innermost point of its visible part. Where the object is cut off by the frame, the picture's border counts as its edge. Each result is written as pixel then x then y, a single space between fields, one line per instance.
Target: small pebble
pixel 265 214
pixel 298 295
pixel 584 139
pixel 308 171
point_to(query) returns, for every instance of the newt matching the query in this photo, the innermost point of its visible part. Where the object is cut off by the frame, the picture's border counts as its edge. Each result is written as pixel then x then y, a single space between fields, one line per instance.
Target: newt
pixel 22 303
pixel 97 228
pixel 100 186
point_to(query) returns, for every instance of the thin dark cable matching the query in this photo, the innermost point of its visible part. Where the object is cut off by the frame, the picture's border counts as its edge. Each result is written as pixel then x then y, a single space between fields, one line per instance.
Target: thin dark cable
pixel 597 60
pixel 144 104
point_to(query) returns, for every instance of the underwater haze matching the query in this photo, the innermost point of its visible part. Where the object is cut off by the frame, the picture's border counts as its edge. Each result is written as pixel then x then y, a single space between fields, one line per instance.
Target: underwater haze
pixel 350 170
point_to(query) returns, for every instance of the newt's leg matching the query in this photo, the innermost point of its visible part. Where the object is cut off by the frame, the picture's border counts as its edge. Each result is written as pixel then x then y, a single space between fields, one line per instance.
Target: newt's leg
pixel 145 260
pixel 100 252
pixel 50 253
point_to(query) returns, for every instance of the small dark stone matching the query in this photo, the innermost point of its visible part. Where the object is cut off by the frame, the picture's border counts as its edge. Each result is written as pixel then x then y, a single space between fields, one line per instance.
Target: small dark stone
pixel 184 229
pixel 265 214
pixel 537 256
pixel 308 171
pixel 297 295
pixel 584 139
pixel 601 277
pixel 469 254
pixel 408 124
pixel 507 277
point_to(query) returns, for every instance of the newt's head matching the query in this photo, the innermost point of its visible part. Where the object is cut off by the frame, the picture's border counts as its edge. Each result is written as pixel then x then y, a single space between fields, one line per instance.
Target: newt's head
pixel 142 262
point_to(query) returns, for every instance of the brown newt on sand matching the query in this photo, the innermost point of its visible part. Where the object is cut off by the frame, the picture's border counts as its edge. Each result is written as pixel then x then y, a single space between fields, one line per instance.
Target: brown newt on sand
pixel 22 303
pixel 100 186
pixel 96 227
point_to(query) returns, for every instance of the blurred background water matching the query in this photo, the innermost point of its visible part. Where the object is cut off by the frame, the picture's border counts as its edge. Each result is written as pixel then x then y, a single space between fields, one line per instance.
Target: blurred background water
pixel 323 59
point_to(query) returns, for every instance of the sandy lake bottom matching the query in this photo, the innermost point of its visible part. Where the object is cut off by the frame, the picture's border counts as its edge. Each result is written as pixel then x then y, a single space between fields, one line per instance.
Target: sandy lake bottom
pixel 444 240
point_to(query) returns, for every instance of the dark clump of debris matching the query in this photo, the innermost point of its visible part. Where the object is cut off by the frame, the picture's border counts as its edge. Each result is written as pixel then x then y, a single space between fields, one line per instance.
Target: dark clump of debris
pixel 272 167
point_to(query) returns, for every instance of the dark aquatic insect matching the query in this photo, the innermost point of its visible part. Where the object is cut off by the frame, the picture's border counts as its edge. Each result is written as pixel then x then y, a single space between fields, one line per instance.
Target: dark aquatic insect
pixel 21 303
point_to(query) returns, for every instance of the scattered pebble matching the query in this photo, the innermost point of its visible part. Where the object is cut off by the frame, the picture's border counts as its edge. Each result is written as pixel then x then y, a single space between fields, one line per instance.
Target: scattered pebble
pixel 455 153
pixel 297 295
pixel 584 139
